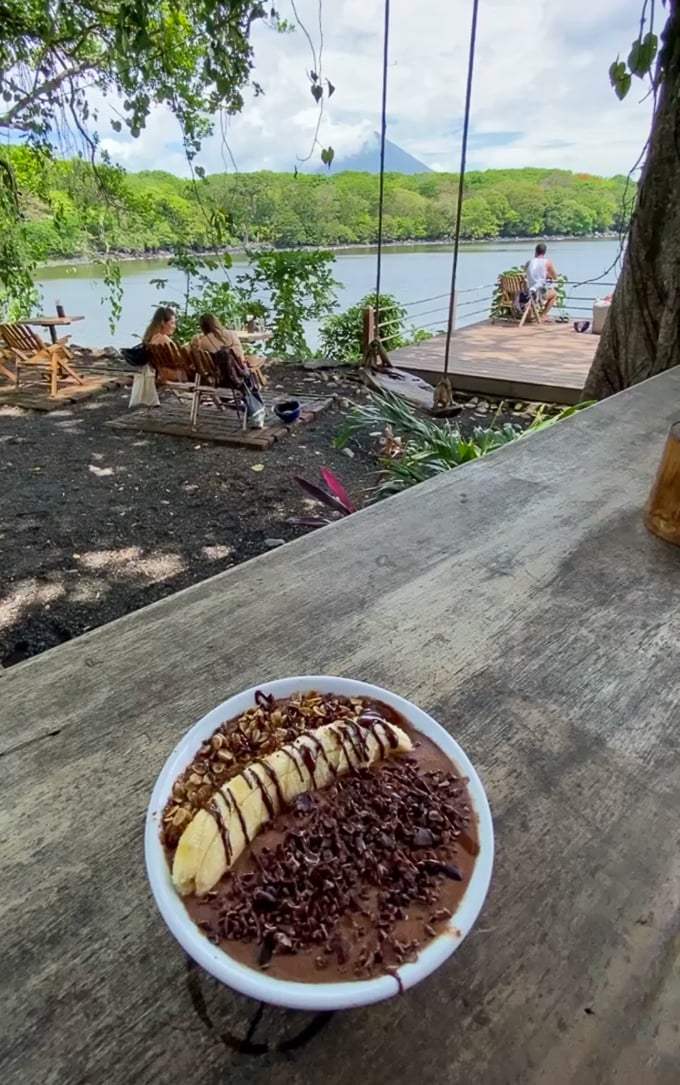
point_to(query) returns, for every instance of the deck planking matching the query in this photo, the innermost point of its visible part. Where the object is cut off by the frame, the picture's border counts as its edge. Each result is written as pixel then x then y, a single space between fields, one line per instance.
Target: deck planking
pixel 219 427
pixel 547 363
pixel 33 395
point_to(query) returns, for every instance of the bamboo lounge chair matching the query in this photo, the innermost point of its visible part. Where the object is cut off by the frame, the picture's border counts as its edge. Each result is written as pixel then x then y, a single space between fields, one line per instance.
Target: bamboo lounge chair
pixel 30 352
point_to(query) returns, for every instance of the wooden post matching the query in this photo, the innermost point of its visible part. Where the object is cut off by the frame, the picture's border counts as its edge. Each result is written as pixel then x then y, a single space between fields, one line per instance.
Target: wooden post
pixel 368 329
pixel 662 513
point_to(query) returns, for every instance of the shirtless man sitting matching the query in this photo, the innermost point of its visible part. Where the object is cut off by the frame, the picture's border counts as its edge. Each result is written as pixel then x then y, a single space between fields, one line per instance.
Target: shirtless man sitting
pixel 540 275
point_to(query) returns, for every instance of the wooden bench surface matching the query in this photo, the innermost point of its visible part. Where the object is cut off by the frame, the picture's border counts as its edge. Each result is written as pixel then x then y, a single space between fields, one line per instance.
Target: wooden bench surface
pixel 521 601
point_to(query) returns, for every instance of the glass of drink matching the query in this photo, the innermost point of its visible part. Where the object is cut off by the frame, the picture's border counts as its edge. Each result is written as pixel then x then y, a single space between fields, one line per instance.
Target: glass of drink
pixel 662 512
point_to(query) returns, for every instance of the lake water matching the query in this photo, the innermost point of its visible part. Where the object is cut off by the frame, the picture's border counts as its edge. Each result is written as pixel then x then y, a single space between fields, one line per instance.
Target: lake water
pixel 419 276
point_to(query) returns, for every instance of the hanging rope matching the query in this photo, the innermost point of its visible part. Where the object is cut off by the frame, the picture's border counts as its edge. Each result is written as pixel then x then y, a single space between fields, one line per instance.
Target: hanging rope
pixel 461 179
pixel 381 190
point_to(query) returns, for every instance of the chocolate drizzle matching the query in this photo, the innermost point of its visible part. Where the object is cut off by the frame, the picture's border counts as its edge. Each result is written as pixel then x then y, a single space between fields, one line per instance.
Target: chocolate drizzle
pixel 214 809
pixel 275 780
pixel 308 760
pixel 322 753
pixel 257 784
pixel 357 740
pixel 235 806
pixel 291 757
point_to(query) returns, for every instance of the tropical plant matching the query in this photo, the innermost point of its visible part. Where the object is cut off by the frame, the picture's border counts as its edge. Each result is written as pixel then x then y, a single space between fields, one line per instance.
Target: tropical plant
pixel 332 494
pixel 427 447
pixel 293 287
pixel 342 333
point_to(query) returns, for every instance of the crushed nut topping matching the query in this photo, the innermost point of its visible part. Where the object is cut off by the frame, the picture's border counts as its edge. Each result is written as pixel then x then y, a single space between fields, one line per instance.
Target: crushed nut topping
pixel 257 732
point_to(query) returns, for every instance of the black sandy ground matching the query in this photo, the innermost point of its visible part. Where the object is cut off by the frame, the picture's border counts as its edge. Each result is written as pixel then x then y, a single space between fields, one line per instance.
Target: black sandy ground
pixel 97 522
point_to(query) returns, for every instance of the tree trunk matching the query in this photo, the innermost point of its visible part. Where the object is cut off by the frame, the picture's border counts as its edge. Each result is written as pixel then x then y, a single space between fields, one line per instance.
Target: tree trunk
pixel 641 336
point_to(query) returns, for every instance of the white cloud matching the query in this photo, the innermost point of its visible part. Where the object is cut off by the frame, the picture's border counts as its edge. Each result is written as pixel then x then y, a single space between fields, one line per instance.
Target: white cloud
pixel 541 91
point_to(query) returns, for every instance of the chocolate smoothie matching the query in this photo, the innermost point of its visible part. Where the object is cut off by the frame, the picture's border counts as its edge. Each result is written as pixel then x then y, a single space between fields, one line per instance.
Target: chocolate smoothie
pixel 353 880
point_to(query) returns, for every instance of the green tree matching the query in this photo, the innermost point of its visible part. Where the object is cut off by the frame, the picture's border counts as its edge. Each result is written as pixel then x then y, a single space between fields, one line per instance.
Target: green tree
pixel 193 56
pixel 477 219
pixel 293 287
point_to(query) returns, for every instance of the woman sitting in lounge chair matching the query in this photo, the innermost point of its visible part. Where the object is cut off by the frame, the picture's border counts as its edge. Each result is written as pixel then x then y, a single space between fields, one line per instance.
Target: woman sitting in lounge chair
pixel 225 346
pixel 161 327
pixel 214 337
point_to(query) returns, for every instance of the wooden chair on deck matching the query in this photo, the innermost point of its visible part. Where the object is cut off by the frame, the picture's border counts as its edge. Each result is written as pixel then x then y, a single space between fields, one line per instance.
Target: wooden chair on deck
pixel 256 365
pixel 208 386
pixel 194 373
pixel 171 363
pixel 512 287
pixel 30 352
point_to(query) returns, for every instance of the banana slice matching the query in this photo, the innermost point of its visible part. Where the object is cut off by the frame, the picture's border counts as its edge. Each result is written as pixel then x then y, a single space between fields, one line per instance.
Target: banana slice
pixel 218 835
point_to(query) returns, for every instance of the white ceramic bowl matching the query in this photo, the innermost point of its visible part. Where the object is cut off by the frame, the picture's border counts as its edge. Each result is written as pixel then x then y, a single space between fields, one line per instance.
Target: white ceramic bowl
pixel 313 996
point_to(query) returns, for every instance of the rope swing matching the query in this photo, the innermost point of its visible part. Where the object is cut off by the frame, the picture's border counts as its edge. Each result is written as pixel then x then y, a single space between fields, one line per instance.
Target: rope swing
pixel 443 393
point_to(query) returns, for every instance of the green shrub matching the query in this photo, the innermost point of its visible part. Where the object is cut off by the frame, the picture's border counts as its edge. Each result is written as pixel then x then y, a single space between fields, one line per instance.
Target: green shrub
pixel 428 447
pixel 342 333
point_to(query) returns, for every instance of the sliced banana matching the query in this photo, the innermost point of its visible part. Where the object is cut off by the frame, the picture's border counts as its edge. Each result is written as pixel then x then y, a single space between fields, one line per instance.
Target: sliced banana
pixel 219 834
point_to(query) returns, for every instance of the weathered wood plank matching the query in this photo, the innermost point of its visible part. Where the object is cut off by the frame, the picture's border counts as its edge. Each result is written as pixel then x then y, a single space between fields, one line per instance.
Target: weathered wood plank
pixel 172 419
pixel 548 363
pixel 36 396
pixel 520 600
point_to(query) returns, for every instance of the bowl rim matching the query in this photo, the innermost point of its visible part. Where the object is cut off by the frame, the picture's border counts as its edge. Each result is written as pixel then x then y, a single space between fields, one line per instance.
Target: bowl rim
pixel 294 994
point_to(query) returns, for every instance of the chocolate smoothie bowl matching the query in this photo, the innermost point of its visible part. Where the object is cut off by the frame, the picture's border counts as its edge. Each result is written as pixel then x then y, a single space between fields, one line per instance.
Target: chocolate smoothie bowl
pixel 318 843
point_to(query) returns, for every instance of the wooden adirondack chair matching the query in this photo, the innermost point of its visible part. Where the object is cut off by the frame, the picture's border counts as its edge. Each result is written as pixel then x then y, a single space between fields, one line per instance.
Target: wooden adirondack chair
pixel 511 287
pixel 31 352
pixel 172 363
pixel 209 376
pixel 190 372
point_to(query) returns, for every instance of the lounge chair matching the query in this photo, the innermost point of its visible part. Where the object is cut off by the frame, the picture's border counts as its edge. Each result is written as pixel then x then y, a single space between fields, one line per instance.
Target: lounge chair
pixel 193 373
pixel 30 352
pixel 516 298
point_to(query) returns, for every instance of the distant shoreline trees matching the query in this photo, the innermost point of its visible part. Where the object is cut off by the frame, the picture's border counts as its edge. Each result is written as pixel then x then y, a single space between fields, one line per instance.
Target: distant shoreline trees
pixel 150 212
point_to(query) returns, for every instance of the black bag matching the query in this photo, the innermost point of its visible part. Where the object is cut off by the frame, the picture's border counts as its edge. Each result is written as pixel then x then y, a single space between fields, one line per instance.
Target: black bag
pixel 135 355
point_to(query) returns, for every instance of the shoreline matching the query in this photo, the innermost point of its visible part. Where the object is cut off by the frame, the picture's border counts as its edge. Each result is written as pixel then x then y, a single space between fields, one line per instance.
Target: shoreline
pixel 362 246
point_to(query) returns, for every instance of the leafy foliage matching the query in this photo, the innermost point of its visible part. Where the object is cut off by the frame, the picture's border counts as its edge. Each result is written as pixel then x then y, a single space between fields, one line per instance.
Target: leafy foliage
pixel 641 59
pixel 285 289
pixel 66 214
pixel 332 494
pixel 341 333
pixel 292 287
pixel 193 56
pixel 204 294
pixel 428 448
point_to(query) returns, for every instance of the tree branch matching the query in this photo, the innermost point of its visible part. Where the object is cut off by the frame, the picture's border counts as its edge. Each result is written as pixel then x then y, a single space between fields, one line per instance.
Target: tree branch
pixel 10 118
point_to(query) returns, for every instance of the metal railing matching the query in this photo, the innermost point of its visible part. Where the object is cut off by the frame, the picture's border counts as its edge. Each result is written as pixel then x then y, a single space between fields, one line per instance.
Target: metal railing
pixel 434 317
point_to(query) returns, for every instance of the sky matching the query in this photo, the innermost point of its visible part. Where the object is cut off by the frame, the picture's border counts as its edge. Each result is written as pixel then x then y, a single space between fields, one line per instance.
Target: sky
pixel 541 93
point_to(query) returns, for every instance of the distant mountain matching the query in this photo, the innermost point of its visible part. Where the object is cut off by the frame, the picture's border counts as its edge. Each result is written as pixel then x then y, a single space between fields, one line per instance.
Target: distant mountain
pixel 367 160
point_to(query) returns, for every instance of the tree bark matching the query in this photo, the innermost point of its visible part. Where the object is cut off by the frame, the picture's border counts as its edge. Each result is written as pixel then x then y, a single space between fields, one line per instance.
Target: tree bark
pixel 641 336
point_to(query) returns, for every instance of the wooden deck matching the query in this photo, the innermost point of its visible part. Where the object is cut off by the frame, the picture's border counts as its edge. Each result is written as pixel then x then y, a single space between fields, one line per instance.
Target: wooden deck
pixel 547 363
pixel 219 427
pixel 34 395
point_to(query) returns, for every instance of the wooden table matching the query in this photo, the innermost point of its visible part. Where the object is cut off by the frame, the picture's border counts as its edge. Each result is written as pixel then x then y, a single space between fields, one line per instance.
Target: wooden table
pixel 51 322
pixel 253 337
pixel 522 602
